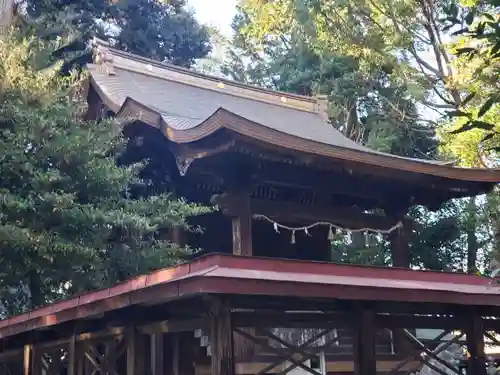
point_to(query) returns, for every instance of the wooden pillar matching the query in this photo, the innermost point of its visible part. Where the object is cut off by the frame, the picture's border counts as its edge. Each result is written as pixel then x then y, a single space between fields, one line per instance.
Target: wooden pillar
pixel 476 364
pixel 157 360
pixel 136 351
pixel 131 355
pixel 27 359
pixel 400 254
pixel 221 338
pixel 72 356
pixel 237 205
pixel 181 353
pixel 400 251
pixel 365 362
pixel 242 226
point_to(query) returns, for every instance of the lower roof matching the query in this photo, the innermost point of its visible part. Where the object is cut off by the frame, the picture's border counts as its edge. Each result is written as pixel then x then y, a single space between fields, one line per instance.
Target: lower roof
pixel 238 275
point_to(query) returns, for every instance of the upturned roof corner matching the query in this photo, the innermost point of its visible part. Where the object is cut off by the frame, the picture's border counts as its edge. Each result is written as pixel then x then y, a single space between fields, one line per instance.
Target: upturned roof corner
pixel 102 56
pixel 322 106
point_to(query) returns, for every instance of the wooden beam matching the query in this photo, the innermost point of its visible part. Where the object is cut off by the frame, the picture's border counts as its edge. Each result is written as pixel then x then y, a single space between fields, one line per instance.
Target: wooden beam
pixel 303 214
pixel 174 325
pixel 364 344
pixel 313 319
pixel 221 338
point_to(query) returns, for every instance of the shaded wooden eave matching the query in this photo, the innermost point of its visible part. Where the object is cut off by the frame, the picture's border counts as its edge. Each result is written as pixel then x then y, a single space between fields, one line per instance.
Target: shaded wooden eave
pixel 132 110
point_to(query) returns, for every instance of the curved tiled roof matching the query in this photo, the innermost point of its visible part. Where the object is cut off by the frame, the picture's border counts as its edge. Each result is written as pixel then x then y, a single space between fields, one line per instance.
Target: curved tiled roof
pixel 188 106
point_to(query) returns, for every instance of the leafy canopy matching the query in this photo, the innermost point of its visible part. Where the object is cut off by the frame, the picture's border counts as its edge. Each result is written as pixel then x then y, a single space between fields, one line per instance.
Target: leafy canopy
pixel 68 218
pixel 162 30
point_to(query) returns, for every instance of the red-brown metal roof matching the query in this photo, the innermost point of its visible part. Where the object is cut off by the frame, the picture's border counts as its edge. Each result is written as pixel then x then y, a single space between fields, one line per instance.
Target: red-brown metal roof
pixel 239 275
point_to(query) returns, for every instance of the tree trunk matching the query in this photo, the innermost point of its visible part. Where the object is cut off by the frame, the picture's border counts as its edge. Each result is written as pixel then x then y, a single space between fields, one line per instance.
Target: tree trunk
pixel 6 13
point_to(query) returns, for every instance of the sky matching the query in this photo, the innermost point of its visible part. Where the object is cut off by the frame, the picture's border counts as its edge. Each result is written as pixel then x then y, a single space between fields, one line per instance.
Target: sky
pixel 217 13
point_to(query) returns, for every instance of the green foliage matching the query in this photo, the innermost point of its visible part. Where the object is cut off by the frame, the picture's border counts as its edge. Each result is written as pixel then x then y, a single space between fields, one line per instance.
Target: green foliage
pixel 366 103
pixel 162 30
pixel 68 220
pixel 478 46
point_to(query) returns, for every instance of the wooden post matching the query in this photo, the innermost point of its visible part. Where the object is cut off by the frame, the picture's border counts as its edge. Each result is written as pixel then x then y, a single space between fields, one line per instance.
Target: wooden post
pixel 242 227
pixel 72 356
pixel 365 362
pixel 131 354
pixel 399 248
pixel 176 354
pixel 157 365
pixel 476 365
pixel 221 338
pixel 27 360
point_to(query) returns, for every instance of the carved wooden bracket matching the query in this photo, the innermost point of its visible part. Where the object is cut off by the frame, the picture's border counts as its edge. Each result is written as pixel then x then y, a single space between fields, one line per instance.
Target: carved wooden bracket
pixel 186 155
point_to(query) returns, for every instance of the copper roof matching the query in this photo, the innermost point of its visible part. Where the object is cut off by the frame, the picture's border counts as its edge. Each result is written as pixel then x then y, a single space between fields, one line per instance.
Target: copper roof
pixel 238 275
pixel 187 106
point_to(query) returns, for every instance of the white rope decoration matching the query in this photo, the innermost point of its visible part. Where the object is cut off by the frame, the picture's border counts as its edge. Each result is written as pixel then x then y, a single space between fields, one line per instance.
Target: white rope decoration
pixel 277 226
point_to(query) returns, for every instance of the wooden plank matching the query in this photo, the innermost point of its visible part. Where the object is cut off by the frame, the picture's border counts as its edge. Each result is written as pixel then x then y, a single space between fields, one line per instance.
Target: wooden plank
pixel 176 355
pixel 365 362
pixel 221 338
pixel 400 252
pixel 242 225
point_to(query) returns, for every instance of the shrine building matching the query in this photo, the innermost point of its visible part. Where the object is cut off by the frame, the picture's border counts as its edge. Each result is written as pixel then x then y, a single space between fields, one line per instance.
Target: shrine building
pixel 265 297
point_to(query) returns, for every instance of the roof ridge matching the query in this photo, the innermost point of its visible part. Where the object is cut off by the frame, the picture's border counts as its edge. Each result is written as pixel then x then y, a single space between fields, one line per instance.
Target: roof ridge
pixel 111 57
pixel 170 66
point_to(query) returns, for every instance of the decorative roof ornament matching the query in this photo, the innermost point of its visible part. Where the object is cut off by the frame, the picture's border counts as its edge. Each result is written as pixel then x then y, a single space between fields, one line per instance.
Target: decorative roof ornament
pixel 102 56
pixel 322 107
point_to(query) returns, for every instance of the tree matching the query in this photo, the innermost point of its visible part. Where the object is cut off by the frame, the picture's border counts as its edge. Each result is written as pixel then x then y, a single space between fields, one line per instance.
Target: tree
pixel 161 30
pixel 405 37
pixel 477 47
pixel 69 220
pixel 366 104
